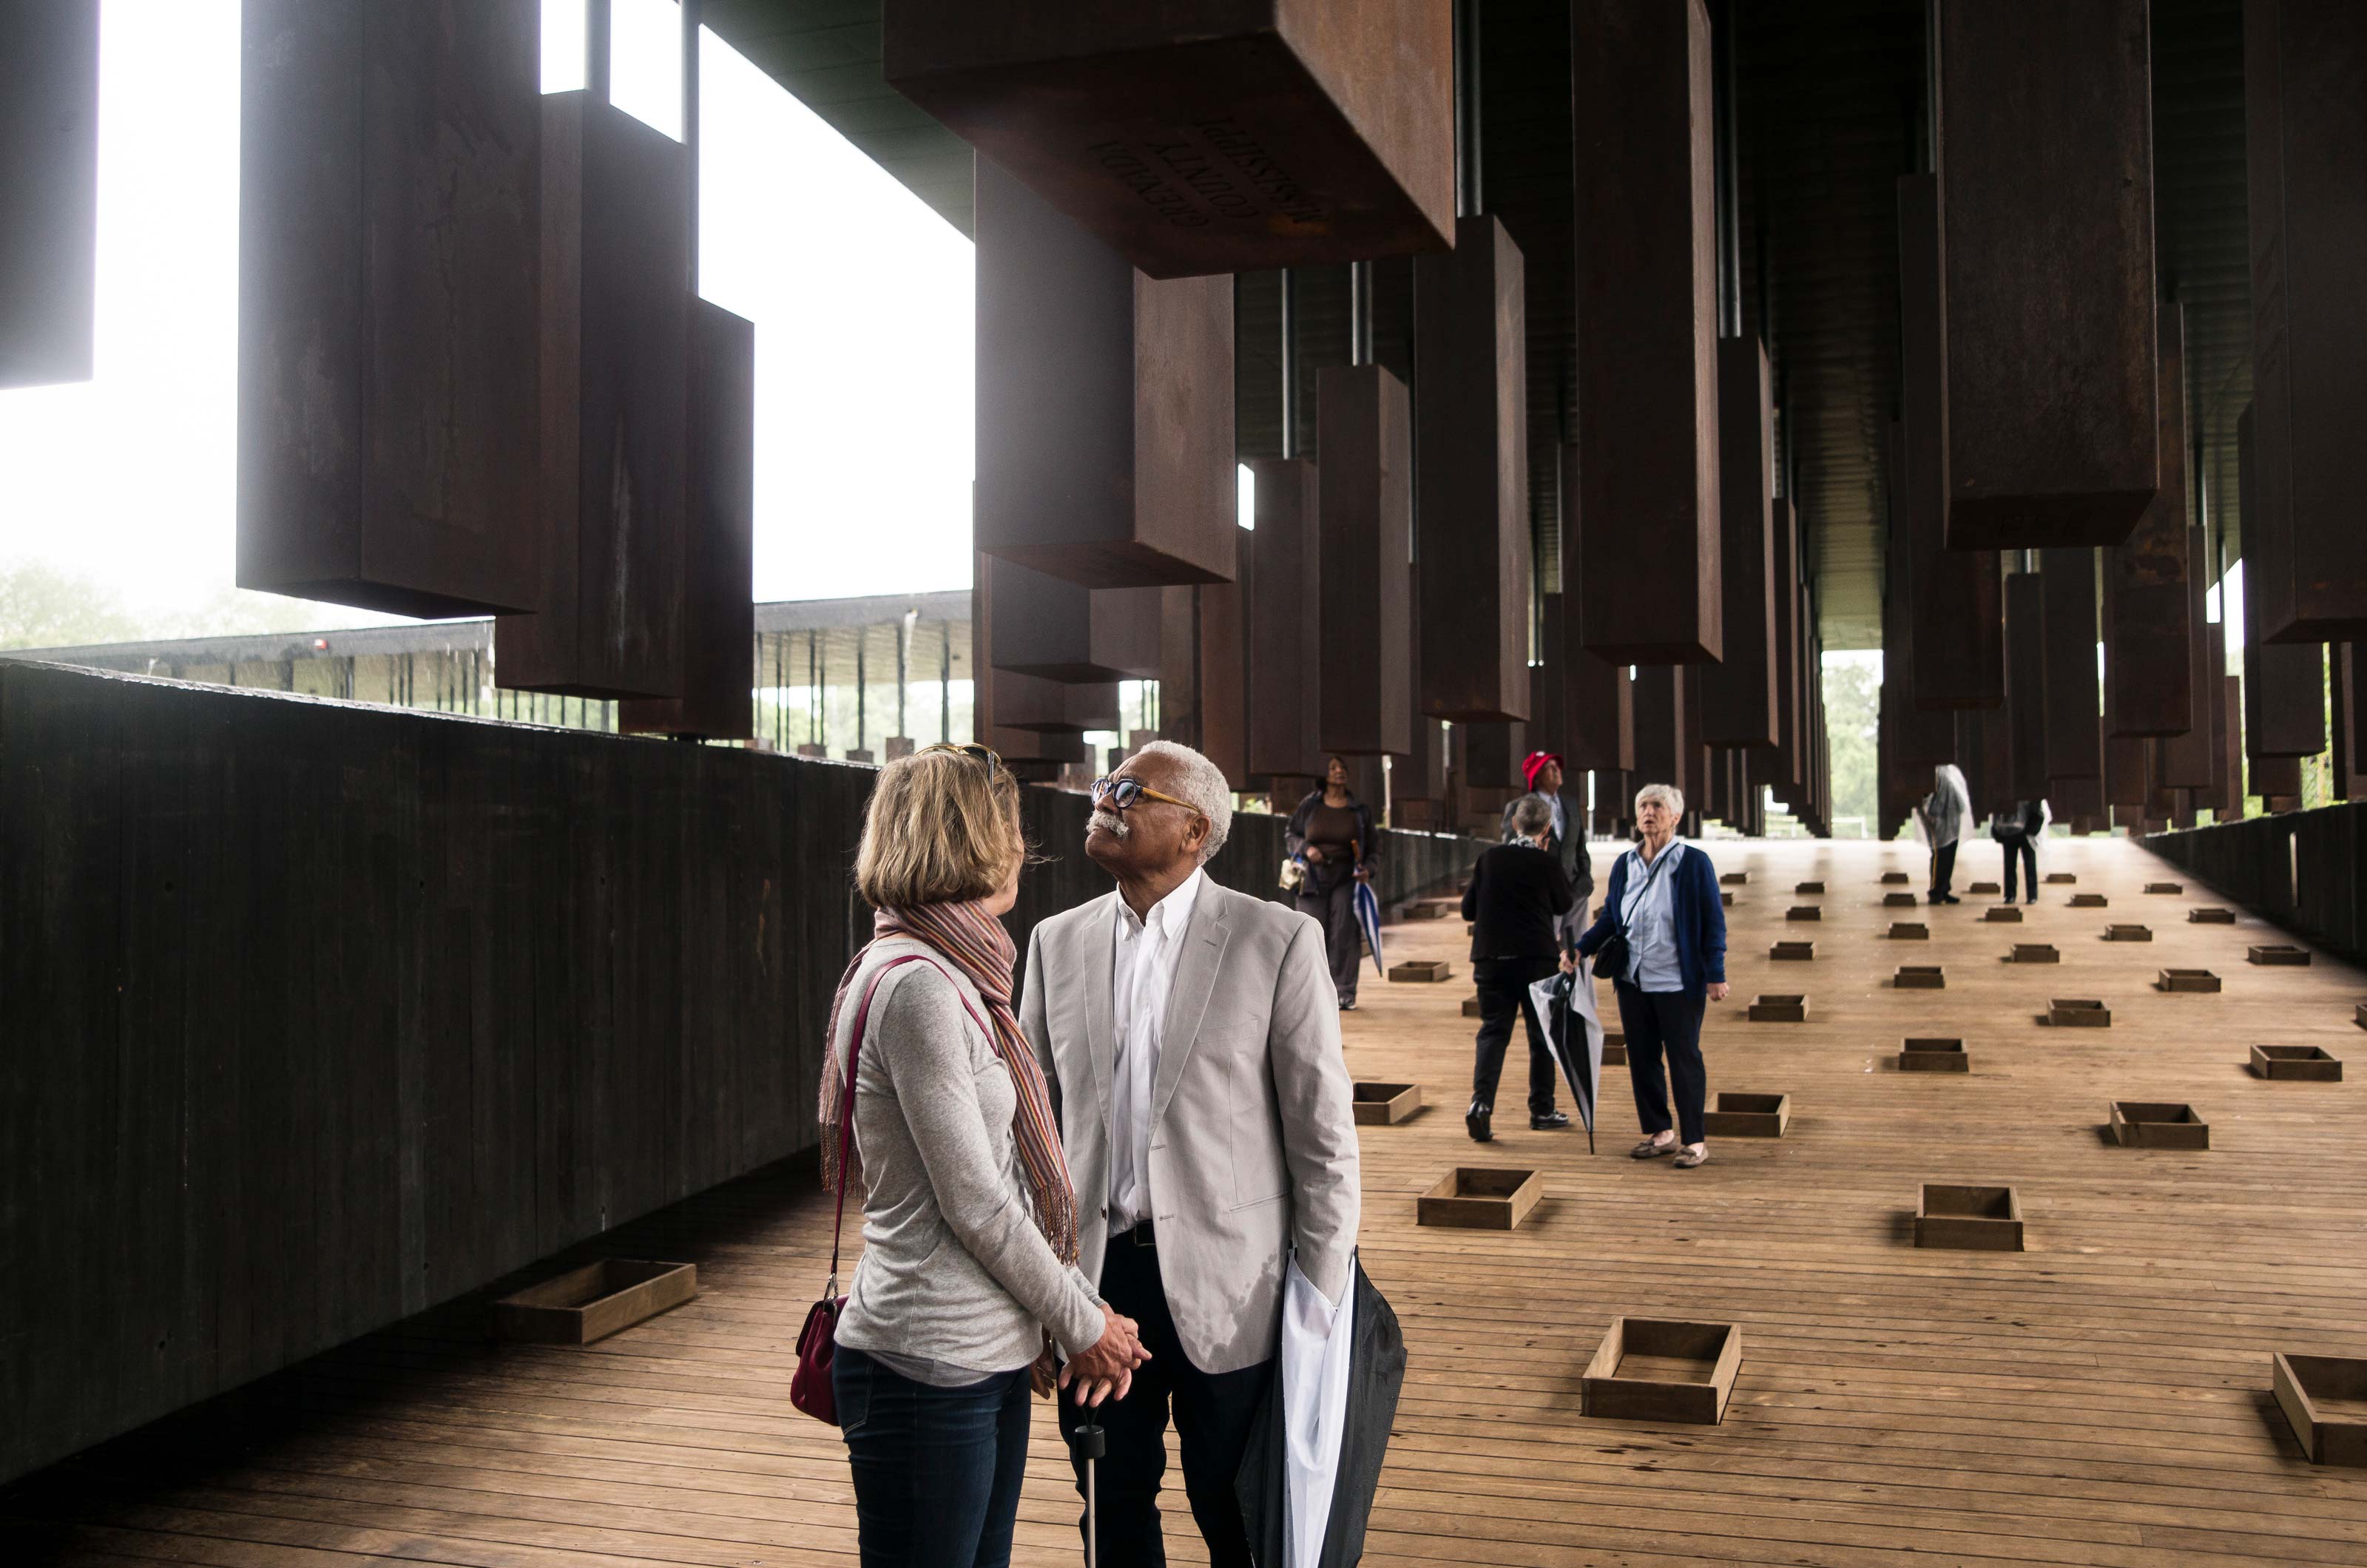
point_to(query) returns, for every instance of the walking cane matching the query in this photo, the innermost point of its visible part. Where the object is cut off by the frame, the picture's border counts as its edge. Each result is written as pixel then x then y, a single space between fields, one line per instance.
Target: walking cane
pixel 1090 1443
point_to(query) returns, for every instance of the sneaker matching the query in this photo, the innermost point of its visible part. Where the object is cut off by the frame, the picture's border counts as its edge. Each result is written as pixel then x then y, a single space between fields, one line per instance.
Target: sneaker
pixel 1476 1119
pixel 1551 1121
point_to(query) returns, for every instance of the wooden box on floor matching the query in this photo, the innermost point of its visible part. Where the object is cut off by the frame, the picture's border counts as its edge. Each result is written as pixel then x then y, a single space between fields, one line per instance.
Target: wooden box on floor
pixel 1422 969
pixel 2079 1013
pixel 1803 912
pixel 2198 980
pixel 2211 915
pixel 1727 899
pixel 1673 1371
pixel 2159 1124
pixel 1792 952
pixel 1918 1054
pixel 2300 1064
pixel 1615 1048
pixel 2060 878
pixel 1894 879
pixel 2325 1397
pixel 592 1303
pixel 2035 953
pixel 2004 914
pixel 1735 879
pixel 1909 931
pixel 1968 1219
pixel 1920 978
pixel 1478 1198
pixel 2128 933
pixel 2088 900
pixel 2165 887
pixel 1898 900
pixel 1779 1009
pixel 1471 1007
pixel 1747 1115
pixel 2278 952
pixel 1980 888
pixel 1806 887
pixel 1384 1104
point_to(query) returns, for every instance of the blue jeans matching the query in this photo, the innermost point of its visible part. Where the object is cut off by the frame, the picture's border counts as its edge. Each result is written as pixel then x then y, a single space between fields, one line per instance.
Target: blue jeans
pixel 937 1469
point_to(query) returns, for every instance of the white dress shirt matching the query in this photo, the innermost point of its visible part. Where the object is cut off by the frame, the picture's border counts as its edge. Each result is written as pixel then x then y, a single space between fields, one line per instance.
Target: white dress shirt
pixel 1143 956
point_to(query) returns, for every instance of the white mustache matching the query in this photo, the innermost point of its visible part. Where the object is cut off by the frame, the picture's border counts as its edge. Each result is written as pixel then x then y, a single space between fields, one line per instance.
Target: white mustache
pixel 1110 822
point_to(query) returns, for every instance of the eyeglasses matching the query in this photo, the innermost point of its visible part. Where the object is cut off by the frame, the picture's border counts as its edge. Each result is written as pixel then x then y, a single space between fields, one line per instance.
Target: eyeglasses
pixel 1119 794
pixel 981 753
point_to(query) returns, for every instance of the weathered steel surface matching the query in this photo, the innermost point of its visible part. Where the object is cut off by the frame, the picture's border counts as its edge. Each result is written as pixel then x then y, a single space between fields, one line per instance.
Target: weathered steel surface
pixel 1285 656
pixel 1660 726
pixel 2306 142
pixel 1923 737
pixel 1739 693
pixel 1471 441
pixel 1646 316
pixel 719 620
pixel 1364 444
pixel 1201 646
pixel 1599 700
pixel 2068 577
pixel 2284 683
pixel 48 190
pixel 2025 682
pixel 1050 627
pixel 1202 136
pixel 2186 760
pixel 1957 605
pixel 615 367
pixel 391 197
pixel 1025 718
pixel 2147 575
pixel 2046 153
pixel 1787 765
pixel 1104 404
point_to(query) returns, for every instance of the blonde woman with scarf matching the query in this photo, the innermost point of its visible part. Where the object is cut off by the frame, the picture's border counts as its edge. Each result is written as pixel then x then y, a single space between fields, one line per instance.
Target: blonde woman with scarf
pixel 970 1220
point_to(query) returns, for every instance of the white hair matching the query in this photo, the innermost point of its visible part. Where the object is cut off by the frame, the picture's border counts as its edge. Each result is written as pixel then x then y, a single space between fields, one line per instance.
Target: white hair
pixel 1532 815
pixel 1669 796
pixel 1203 784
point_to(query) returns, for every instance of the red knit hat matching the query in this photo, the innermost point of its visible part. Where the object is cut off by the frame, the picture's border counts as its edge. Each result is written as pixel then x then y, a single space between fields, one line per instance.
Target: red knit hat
pixel 1536 761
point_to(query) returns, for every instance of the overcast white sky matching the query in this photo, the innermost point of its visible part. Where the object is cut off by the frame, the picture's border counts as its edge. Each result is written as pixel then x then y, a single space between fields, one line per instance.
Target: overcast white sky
pixel 860 294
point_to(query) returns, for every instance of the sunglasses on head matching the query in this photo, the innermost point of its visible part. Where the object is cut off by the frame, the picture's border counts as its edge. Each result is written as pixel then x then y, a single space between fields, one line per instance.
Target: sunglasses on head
pixel 981 753
pixel 1119 794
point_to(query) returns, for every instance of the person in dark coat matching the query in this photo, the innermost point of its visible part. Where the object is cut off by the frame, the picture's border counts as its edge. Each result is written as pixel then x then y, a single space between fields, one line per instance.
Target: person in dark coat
pixel 1516 903
pixel 1332 836
pixel 1543 770
pixel 2017 835
pixel 1664 899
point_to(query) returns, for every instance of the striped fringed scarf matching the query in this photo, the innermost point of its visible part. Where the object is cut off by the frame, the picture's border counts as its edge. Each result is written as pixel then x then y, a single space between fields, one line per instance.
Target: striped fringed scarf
pixel 977 942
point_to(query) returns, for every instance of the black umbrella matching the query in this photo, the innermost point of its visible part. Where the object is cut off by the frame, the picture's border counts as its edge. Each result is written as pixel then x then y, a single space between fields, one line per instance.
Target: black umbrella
pixel 1376 1372
pixel 1565 1005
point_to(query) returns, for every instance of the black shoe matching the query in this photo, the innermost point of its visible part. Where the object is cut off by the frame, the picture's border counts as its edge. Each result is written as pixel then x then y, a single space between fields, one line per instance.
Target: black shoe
pixel 1950 898
pixel 1551 1121
pixel 1476 1119
pixel 1935 897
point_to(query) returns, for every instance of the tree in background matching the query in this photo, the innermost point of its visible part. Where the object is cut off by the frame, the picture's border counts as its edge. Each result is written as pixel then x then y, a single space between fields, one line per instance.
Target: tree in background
pixel 41 607
pixel 1853 719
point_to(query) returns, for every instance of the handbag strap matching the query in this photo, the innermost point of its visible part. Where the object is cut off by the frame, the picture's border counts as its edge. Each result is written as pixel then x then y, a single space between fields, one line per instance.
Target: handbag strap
pixel 847 1119
pixel 1658 861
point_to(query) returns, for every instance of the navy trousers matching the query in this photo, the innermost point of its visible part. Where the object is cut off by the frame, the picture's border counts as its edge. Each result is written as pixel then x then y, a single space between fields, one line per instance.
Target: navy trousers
pixel 1665 1024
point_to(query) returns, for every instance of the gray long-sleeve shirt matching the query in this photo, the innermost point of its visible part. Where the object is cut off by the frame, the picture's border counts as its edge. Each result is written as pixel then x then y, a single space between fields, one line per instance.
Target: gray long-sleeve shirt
pixel 955 1271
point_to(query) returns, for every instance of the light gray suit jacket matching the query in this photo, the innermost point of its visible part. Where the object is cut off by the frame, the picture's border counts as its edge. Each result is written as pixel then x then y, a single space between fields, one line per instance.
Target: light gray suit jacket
pixel 1252 1137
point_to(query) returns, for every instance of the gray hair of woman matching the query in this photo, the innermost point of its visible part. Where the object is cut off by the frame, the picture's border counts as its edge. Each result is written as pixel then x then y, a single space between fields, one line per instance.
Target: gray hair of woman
pixel 1669 796
pixel 1203 784
pixel 1532 815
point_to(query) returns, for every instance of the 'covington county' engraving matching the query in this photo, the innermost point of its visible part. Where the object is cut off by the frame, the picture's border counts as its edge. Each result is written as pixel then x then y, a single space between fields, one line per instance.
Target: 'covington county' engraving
pixel 1183 182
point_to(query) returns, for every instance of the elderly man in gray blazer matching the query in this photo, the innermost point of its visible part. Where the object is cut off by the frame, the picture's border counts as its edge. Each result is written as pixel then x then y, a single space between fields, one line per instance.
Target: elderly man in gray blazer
pixel 1191 1038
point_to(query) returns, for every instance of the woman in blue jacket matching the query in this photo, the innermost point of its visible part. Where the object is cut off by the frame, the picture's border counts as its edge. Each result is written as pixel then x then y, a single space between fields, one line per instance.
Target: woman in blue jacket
pixel 1664 898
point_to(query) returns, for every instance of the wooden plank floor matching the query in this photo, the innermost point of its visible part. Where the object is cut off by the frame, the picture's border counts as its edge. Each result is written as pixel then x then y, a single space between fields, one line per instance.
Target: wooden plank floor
pixel 2102 1398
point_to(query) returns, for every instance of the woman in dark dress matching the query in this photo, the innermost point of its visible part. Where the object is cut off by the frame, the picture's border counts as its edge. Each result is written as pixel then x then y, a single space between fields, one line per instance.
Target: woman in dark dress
pixel 1332 836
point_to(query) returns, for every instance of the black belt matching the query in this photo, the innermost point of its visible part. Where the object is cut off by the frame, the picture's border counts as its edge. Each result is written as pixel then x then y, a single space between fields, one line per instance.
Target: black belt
pixel 1141 1235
